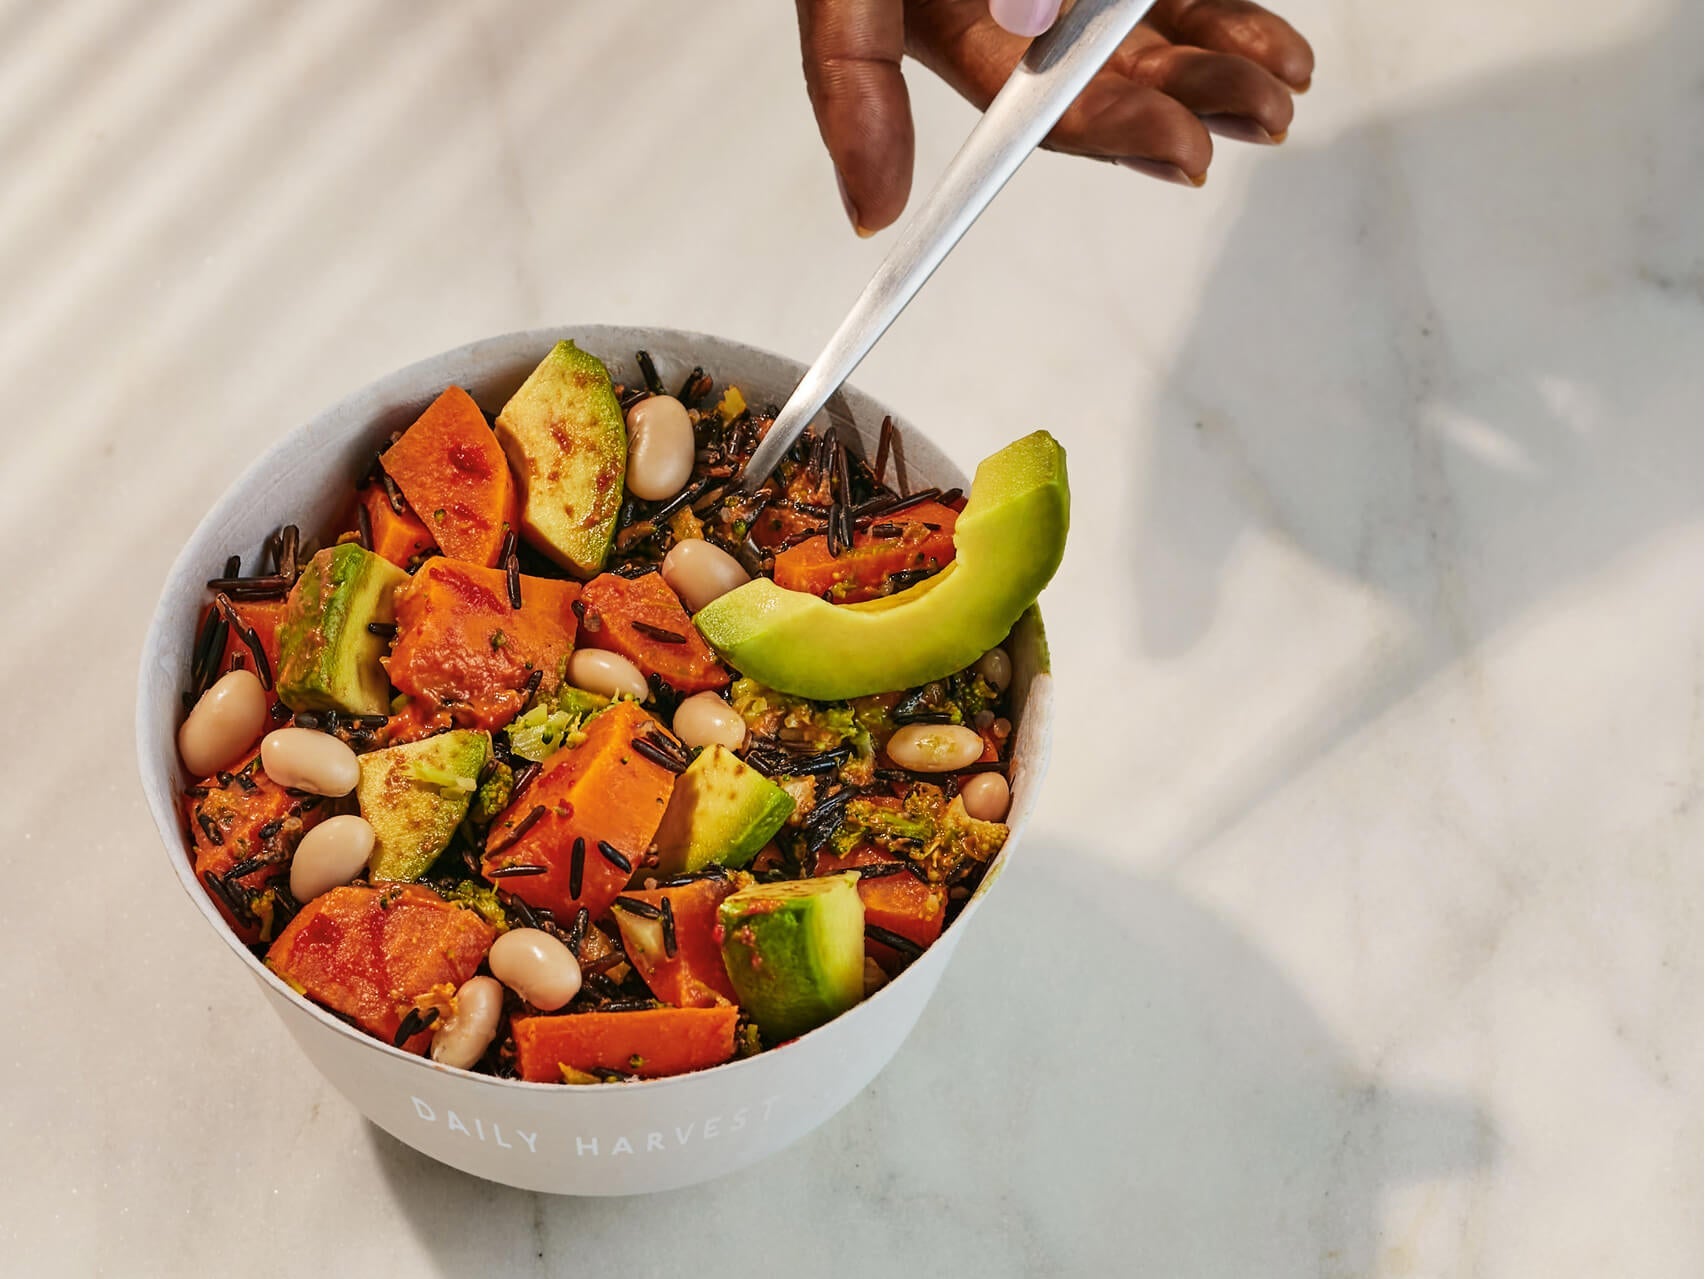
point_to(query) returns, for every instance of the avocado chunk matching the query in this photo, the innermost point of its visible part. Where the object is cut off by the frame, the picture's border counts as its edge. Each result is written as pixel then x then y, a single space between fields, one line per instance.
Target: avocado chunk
pixel 795 951
pixel 721 810
pixel 327 658
pixel 568 446
pixel 414 796
pixel 1007 543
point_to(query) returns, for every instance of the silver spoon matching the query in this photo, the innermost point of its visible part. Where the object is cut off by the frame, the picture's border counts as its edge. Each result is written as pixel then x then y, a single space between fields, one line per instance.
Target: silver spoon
pixel 1051 74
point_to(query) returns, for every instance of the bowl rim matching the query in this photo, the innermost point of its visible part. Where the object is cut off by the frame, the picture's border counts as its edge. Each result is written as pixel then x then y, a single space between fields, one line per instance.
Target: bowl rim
pixel 160 791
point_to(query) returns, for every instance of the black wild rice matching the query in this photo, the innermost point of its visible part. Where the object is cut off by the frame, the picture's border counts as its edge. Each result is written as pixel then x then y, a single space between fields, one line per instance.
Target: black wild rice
pixel 661 634
pixel 614 855
pixel 648 371
pixel 577 866
pixel 881 870
pixel 629 1006
pixel 363 527
pixel 533 682
pixel 517 871
pixel 412 1024
pixel 511 568
pixel 523 912
pixel 905 945
pixel 577 931
pixel 662 758
pixel 633 906
pixel 383 629
pixel 524 779
pixel 667 911
pixel 521 828
pixel 210 829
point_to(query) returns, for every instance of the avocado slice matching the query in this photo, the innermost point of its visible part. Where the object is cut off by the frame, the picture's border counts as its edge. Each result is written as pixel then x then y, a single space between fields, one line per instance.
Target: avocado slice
pixel 568 446
pixel 1007 543
pixel 415 795
pixel 721 810
pixel 327 658
pixel 795 951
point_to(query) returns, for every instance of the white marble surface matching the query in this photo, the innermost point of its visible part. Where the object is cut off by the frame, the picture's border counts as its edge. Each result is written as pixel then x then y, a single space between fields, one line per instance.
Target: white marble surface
pixel 1365 940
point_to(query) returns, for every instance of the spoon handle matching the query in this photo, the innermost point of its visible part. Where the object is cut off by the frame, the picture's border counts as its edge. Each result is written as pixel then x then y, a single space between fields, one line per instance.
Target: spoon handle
pixel 1047 79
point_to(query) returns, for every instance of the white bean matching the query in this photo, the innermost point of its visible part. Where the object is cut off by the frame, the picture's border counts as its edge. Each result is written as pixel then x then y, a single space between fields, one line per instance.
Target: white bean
pixel 1001 728
pixel 934 748
pixel 462 1040
pixel 307 759
pixel 223 724
pixel 599 671
pixel 704 719
pixel 986 796
pixel 330 855
pixel 660 448
pixel 700 571
pixel 996 667
pixel 536 966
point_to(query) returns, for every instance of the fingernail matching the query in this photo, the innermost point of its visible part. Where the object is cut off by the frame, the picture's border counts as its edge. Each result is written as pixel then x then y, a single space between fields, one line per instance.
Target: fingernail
pixel 852 210
pixel 1240 129
pixel 1165 172
pixel 1025 17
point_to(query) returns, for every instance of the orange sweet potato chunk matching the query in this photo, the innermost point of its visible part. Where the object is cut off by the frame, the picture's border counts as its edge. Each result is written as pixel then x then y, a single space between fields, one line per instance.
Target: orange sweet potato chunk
pixel 650 1043
pixel 376 953
pixel 452 470
pixel 398 536
pixel 693 975
pixel 924 542
pixel 901 903
pixel 601 789
pixel 614 604
pixel 461 648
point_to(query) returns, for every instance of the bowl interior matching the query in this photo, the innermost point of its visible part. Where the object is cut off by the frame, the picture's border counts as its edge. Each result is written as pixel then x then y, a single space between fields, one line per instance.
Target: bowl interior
pixel 306 477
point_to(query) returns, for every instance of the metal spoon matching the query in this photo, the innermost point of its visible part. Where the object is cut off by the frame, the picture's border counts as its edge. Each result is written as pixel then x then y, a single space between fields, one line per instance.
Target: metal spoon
pixel 1051 74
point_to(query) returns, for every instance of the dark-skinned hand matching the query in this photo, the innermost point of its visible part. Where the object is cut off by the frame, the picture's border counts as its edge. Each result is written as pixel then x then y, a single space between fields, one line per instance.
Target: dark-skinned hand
pixel 1191 68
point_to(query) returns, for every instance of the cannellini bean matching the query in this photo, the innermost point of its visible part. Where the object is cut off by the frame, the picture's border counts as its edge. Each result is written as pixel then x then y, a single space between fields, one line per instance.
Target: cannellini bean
pixel 307 759
pixel 599 671
pixel 330 855
pixel 934 748
pixel 660 448
pixel 223 724
pixel 536 966
pixel 700 571
pixel 996 667
pixel 704 719
pixel 462 1040
pixel 986 797
pixel 1001 728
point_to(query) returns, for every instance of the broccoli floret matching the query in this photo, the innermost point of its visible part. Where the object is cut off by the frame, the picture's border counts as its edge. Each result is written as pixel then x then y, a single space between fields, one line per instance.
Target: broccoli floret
pixel 923 828
pixel 450 785
pixel 492 797
pixel 479 898
pixel 550 725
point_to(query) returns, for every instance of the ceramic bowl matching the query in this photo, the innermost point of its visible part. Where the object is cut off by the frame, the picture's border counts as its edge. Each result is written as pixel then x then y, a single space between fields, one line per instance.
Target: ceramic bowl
pixel 606 1140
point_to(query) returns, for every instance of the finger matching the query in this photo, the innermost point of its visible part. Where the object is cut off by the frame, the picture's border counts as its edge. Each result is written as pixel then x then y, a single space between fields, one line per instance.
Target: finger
pixel 852 51
pixel 1028 18
pixel 1114 118
pixel 1240 28
pixel 1226 89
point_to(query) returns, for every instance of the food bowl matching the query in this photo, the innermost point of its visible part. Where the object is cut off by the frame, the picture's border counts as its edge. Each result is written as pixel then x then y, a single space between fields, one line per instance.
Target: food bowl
pixel 611 1139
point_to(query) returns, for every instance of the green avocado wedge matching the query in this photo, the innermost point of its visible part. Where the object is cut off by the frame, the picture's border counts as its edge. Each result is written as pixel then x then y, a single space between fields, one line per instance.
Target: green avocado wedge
pixel 327 658
pixel 795 951
pixel 722 810
pixel 568 447
pixel 1007 543
pixel 414 796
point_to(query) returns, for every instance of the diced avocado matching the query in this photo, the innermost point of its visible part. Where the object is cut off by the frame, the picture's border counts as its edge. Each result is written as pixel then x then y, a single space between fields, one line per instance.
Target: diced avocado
pixel 415 795
pixel 568 446
pixel 1007 543
pixel 795 951
pixel 721 810
pixel 327 658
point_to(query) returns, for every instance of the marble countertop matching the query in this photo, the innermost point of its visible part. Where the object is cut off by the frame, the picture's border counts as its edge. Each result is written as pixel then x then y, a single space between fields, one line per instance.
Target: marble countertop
pixel 1359 930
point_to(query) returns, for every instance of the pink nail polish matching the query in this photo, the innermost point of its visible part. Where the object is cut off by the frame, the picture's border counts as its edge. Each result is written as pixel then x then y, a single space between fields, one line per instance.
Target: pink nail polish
pixel 1025 17
pixel 1165 172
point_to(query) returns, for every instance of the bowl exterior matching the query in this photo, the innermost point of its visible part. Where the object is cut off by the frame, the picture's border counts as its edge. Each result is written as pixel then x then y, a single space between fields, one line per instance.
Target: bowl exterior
pixel 608 1140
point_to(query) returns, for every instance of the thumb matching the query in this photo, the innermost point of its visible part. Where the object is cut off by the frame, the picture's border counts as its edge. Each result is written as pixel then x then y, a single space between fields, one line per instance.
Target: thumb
pixel 852 51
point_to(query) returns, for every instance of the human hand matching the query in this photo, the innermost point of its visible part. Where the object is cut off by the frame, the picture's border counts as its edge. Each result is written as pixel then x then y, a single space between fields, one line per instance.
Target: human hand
pixel 1191 68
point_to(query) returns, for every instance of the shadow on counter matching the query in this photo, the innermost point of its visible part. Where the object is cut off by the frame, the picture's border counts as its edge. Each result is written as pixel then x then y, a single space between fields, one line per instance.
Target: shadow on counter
pixel 1452 356
pixel 1109 1079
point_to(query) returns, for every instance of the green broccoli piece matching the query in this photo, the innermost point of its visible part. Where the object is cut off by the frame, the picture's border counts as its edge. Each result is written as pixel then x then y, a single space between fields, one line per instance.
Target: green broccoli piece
pixel 492 797
pixel 480 898
pixel 924 829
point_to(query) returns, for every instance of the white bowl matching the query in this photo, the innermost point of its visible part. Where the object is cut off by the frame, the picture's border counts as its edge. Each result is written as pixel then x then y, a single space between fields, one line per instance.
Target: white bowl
pixel 612 1139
